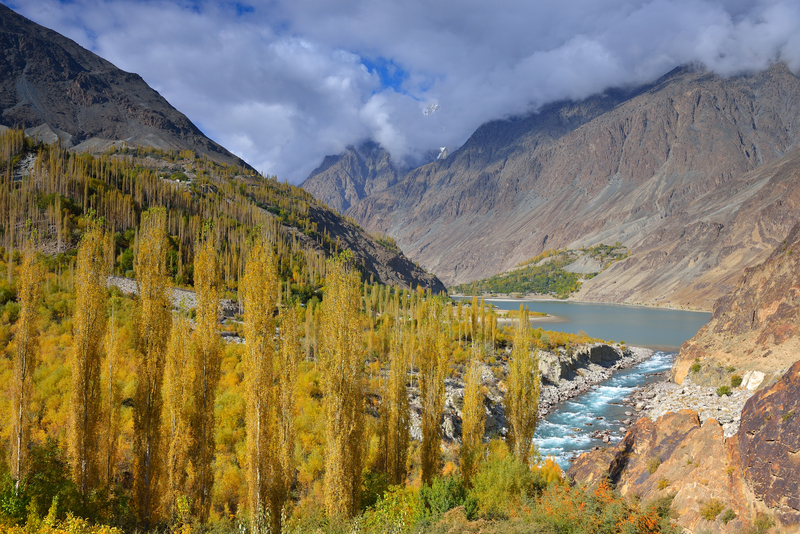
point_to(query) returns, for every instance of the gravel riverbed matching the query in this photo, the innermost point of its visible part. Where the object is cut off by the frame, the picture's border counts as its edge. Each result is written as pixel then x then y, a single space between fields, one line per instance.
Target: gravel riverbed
pixel 659 398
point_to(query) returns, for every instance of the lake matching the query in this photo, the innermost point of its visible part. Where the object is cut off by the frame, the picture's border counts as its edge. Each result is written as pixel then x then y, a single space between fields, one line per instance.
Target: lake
pixel 654 328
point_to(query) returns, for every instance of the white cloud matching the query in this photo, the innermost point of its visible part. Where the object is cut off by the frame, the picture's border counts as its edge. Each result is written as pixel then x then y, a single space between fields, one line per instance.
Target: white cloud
pixel 283 84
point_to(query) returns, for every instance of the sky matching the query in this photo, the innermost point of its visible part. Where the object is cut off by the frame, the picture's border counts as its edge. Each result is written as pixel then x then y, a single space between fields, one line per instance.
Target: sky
pixel 282 83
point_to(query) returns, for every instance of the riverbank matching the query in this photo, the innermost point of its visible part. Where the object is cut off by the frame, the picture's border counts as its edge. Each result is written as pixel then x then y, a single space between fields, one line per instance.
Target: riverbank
pixel 659 398
pixel 536 297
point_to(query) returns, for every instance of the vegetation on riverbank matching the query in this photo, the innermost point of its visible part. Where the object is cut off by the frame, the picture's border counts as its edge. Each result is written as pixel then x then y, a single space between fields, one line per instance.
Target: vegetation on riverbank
pixel 547 273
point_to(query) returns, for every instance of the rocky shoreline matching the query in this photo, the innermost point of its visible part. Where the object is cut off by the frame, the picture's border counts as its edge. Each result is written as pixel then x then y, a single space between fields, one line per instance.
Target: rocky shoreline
pixel 556 389
pixel 659 398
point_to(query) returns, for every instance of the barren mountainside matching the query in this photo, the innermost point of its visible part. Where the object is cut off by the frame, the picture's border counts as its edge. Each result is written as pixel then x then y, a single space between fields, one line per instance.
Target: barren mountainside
pixel 342 180
pixel 695 174
pixel 57 89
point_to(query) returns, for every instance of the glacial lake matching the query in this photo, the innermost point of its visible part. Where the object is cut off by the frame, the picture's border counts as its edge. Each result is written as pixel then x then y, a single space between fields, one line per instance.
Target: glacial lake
pixel 655 328
pixel 566 432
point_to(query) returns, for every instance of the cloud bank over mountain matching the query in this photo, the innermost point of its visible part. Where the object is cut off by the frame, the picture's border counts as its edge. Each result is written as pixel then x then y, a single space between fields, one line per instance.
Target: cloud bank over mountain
pixel 283 83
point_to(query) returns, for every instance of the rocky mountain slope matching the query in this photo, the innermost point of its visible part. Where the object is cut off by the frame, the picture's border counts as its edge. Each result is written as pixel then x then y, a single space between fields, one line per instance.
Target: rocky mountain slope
pixel 755 328
pixel 695 174
pixel 61 91
pixel 342 180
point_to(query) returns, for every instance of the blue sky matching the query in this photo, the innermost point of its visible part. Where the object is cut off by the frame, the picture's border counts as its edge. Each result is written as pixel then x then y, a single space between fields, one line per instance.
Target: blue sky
pixel 283 83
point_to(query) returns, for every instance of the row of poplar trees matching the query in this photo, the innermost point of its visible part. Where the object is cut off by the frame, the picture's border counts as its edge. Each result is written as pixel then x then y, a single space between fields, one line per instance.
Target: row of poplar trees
pixel 178 370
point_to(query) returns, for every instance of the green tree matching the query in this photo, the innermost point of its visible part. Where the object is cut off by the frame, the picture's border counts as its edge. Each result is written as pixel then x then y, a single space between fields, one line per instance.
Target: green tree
pixel 524 385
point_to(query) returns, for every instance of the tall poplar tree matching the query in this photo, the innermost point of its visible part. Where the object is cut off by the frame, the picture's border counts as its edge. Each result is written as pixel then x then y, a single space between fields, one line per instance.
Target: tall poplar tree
pixel 524 384
pixel 342 361
pixel 260 290
pixel 88 328
pixel 152 325
pixel 473 419
pixel 289 360
pixel 434 351
pixel 207 363
pixel 398 416
pixel 113 396
pixel 26 338
pixel 178 411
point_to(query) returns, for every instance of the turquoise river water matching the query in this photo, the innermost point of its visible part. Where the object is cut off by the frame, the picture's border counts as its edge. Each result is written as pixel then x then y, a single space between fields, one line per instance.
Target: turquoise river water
pixel 565 432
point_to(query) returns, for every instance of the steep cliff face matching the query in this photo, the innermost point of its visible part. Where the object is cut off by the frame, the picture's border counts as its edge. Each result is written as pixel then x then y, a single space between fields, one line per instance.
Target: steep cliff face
pixel 755 328
pixel 61 91
pixel 694 174
pixel 342 180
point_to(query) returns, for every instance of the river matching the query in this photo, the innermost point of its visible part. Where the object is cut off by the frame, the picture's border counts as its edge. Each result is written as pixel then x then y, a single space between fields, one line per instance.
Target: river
pixel 565 432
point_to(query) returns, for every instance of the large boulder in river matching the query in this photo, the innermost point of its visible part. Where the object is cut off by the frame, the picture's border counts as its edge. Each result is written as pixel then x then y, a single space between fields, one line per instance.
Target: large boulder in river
pixel 754 330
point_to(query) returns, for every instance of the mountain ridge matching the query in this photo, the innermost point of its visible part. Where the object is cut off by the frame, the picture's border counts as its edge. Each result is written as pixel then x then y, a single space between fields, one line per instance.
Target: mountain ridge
pixel 627 166
pixel 63 92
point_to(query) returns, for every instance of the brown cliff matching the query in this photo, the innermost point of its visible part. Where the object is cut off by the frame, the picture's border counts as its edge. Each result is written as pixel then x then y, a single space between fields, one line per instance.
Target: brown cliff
pixel 755 328
pixel 753 473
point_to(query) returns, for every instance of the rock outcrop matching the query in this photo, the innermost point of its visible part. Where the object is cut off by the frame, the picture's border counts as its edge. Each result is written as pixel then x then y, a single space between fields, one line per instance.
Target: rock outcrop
pixel 719 485
pixel 62 92
pixel 755 329
pixel 769 447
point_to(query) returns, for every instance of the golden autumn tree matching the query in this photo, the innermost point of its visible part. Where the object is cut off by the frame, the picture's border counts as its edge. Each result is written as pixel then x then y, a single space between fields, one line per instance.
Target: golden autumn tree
pixel 288 363
pixel 152 324
pixel 434 351
pixel 342 363
pixel 260 291
pixel 473 418
pixel 89 325
pixel 29 295
pixel 113 395
pixel 178 411
pixel 396 413
pixel 207 347
pixel 522 397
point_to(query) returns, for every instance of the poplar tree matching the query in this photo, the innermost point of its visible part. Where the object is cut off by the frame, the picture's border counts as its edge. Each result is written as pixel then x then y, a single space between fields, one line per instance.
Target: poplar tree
pixel 398 417
pixel 290 356
pixel 26 338
pixel 152 325
pixel 260 291
pixel 89 326
pixel 434 351
pixel 207 363
pixel 522 397
pixel 473 420
pixel 342 362
pixel 178 405
pixel 112 398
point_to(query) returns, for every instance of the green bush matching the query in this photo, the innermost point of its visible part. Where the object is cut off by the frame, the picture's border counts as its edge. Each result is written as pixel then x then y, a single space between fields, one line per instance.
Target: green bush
pixel 728 516
pixel 443 494
pixel 394 512
pixel 736 381
pixel 653 464
pixel 695 368
pixel 711 509
pixel 723 390
pixel 501 482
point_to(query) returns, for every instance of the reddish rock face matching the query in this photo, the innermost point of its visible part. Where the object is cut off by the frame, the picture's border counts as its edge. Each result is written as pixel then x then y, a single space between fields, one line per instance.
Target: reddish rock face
pixel 675 455
pixel 769 445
